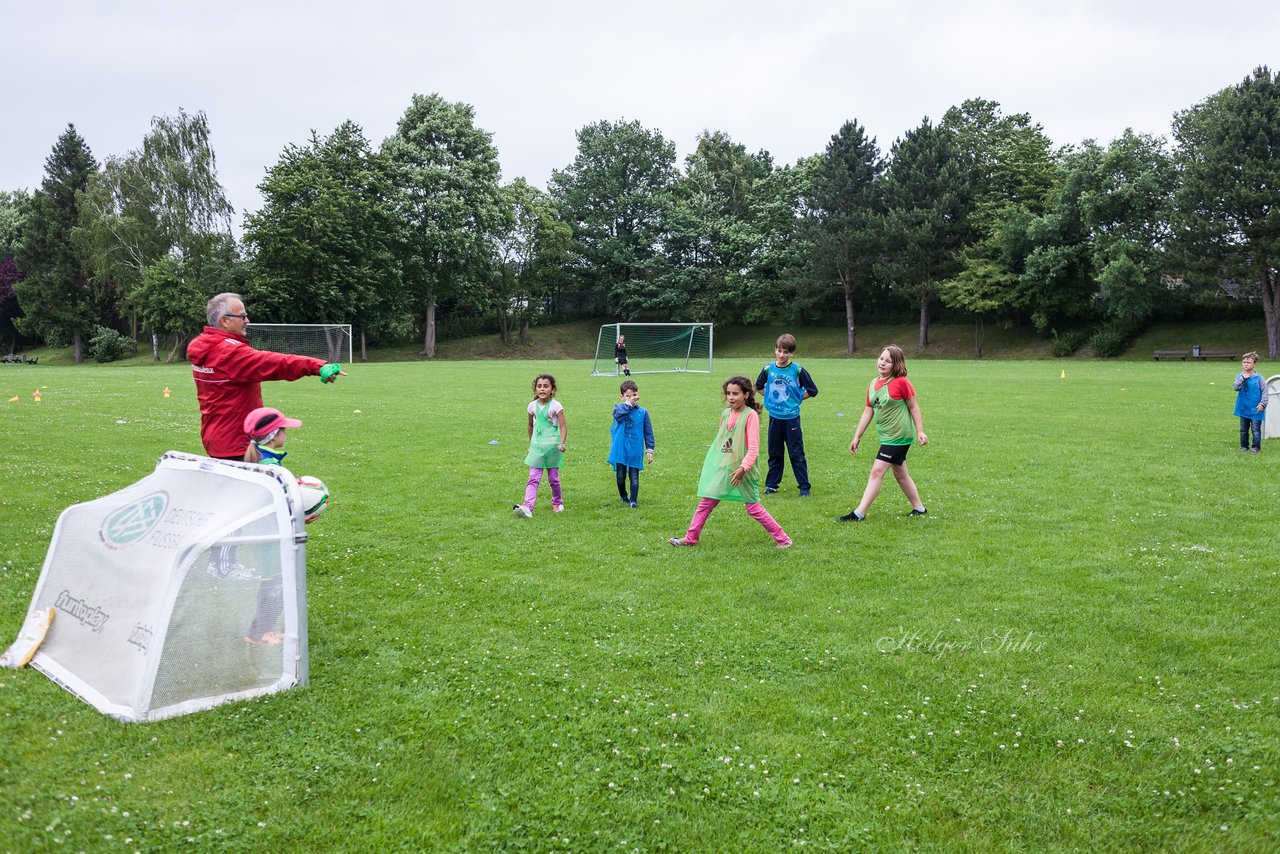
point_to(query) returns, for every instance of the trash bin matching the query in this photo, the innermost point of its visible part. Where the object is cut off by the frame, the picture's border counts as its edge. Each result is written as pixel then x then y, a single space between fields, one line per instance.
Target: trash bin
pixel 1195 351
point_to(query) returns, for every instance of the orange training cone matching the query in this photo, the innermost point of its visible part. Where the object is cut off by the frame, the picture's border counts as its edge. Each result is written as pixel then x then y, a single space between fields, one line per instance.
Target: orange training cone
pixel 166 391
pixel 36 395
pixel 13 399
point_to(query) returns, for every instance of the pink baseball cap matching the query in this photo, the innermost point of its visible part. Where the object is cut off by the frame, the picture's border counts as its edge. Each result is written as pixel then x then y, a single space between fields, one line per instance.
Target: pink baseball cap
pixel 264 420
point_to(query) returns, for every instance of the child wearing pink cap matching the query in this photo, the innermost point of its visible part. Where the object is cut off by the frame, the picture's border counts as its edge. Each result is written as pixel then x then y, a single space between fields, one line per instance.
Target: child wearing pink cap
pixel 265 428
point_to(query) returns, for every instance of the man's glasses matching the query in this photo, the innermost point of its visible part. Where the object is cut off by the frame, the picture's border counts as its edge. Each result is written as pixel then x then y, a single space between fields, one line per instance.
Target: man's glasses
pixel 241 316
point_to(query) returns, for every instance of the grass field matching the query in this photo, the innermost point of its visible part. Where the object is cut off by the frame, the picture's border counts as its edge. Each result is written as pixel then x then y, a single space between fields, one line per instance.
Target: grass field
pixel 1075 650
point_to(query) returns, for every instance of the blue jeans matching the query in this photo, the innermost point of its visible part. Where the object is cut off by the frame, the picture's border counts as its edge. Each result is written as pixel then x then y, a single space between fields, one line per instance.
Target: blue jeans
pixel 1245 423
pixel 786 433
pixel 623 471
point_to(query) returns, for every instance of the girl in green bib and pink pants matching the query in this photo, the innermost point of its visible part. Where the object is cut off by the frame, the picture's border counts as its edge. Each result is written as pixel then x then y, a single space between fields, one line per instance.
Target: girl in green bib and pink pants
pixel 731 471
pixel 548 434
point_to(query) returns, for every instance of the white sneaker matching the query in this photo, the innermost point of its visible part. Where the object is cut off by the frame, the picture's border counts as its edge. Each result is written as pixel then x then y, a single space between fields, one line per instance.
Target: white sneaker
pixel 233 571
pixel 557 508
pixel 521 510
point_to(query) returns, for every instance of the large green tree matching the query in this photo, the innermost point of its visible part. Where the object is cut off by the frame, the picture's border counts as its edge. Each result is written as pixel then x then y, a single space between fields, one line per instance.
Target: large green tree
pixel 529 254
pixel 1057 283
pixel 14 210
pixel 445 177
pixel 1126 196
pixel 928 193
pixel 325 244
pixel 617 197
pixel 55 294
pixel 1229 158
pixel 170 302
pixel 778 265
pixel 163 200
pixel 1015 171
pixel 845 234
pixel 712 234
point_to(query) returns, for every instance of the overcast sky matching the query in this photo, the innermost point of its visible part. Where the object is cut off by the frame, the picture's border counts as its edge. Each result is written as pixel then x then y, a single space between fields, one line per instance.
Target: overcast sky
pixel 780 76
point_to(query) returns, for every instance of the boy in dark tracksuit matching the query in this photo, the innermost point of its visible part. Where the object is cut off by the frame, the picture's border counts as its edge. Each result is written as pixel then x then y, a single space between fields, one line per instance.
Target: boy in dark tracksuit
pixel 785 384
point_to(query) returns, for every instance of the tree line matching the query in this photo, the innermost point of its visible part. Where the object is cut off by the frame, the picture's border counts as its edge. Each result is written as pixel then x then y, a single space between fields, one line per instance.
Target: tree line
pixel 977 216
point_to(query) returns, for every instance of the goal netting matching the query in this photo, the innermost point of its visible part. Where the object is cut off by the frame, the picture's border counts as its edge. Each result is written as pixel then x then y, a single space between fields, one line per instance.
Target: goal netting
pixel 328 341
pixel 654 348
pixel 182 591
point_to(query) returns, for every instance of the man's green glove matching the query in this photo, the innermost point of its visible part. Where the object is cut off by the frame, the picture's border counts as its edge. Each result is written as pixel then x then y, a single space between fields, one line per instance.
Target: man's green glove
pixel 330 372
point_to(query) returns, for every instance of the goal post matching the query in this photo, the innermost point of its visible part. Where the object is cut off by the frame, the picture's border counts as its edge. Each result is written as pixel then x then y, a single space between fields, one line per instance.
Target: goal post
pixel 328 341
pixel 655 348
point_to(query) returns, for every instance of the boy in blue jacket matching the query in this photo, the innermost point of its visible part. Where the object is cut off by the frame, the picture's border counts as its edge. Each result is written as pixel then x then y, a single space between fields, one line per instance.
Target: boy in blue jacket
pixel 632 444
pixel 1251 402
pixel 785 384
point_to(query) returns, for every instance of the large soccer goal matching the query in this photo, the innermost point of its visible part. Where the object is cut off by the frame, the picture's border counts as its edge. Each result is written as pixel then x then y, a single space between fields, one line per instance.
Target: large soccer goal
pixel 654 348
pixel 328 341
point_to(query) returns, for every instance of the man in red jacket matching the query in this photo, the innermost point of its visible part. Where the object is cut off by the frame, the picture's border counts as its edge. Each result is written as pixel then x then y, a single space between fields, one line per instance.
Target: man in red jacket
pixel 229 374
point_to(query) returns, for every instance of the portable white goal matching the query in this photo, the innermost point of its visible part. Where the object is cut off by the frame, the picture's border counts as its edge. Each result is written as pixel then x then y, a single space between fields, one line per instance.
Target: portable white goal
pixel 1271 421
pixel 328 341
pixel 655 348
pixel 164 592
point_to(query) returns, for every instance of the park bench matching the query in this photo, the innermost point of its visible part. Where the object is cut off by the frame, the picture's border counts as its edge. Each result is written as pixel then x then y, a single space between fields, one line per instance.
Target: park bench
pixel 20 359
pixel 1171 354
pixel 1218 355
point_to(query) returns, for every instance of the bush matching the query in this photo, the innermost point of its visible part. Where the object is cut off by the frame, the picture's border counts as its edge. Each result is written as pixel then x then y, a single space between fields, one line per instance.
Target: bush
pixel 107 345
pixel 1068 343
pixel 1112 339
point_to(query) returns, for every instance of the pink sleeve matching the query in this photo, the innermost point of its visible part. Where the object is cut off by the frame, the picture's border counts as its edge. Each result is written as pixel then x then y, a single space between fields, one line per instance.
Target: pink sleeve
pixel 753 439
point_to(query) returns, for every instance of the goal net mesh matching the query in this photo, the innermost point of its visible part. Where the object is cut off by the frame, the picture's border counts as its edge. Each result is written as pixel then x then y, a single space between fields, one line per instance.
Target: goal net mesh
pixel 328 341
pixel 654 348
pixel 179 592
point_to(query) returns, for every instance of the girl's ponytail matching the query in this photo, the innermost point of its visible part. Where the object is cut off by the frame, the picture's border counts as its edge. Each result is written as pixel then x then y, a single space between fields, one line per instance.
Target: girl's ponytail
pixel 251 454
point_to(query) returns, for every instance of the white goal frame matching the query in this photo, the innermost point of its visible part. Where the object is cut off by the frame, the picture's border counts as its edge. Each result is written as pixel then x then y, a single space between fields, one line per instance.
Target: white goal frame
pixel 332 341
pixel 650 352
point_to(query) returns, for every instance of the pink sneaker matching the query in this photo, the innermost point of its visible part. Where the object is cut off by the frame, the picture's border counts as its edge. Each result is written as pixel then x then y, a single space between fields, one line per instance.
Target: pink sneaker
pixel 557 508
pixel 680 541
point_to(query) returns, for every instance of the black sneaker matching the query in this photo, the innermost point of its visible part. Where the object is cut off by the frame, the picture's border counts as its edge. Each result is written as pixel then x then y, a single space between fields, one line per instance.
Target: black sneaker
pixel 769 490
pixel 851 516
pixel 804 493
pixel 922 511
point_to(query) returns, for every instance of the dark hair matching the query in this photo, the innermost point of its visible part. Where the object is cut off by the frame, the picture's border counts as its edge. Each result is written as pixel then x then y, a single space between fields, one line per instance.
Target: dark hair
pixel 898 360
pixel 787 342
pixel 628 384
pixel 549 379
pixel 746 385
